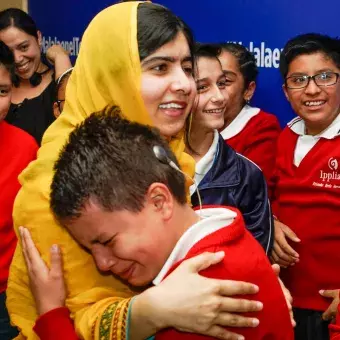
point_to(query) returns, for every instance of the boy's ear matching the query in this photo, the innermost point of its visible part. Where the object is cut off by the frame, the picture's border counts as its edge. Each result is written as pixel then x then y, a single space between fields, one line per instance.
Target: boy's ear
pixel 161 199
pixel 158 201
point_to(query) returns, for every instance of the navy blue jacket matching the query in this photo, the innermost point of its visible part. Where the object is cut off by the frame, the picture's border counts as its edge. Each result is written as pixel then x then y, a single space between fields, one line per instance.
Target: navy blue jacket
pixel 235 181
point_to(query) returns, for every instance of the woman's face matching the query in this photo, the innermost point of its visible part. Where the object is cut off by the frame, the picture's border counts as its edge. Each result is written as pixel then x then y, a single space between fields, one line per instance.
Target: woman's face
pixel 317 105
pixel 168 87
pixel 235 85
pixel 25 48
pixel 211 101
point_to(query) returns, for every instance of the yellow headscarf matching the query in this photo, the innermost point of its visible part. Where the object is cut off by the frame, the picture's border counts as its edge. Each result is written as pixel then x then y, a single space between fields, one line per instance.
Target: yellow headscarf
pixel 107 71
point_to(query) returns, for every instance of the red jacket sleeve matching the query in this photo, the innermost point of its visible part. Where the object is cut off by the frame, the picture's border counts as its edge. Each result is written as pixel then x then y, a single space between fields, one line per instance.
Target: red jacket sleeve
pixel 55 325
pixel 334 329
pixel 245 260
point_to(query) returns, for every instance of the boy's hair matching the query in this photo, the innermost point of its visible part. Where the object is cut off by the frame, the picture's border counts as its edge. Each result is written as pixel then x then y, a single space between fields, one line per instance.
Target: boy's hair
pixel 309 43
pixel 110 160
pixel 7 59
pixel 246 61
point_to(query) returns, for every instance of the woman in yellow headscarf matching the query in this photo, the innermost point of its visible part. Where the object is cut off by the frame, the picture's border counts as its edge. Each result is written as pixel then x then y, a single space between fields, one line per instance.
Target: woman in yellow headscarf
pixel 137 56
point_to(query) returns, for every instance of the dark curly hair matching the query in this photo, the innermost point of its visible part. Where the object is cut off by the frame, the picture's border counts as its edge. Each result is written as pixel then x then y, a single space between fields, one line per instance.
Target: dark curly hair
pixel 111 160
pixel 7 60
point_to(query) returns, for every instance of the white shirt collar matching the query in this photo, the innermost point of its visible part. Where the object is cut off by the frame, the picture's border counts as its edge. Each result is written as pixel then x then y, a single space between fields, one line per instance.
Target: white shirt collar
pixel 298 126
pixel 205 163
pixel 212 219
pixel 241 120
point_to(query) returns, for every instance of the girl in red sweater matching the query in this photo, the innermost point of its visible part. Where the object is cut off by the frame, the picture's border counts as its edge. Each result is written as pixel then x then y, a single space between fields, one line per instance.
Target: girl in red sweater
pixel 17 149
pixel 249 130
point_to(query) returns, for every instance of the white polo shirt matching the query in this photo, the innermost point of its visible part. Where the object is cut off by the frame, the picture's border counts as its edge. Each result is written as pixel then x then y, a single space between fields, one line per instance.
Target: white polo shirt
pixel 306 142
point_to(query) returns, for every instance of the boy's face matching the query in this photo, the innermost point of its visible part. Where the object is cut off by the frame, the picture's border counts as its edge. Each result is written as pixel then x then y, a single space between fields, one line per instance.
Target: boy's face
pixel 317 105
pixel 133 246
pixel 5 92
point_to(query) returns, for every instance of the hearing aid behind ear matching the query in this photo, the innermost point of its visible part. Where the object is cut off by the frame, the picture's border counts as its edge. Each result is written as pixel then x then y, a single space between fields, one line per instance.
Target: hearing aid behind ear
pixel 162 156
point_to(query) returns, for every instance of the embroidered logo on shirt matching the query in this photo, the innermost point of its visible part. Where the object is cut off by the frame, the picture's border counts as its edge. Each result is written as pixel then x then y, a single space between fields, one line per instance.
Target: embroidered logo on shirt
pixel 333 164
pixel 329 179
pixel 327 176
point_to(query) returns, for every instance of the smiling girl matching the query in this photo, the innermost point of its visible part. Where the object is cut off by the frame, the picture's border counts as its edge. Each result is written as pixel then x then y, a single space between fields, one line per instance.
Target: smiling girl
pixel 223 176
pixel 249 130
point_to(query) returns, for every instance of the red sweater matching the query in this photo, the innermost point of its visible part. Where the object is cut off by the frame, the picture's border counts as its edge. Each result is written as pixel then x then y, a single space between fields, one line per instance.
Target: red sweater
pixel 17 149
pixel 308 201
pixel 245 260
pixel 55 325
pixel 256 140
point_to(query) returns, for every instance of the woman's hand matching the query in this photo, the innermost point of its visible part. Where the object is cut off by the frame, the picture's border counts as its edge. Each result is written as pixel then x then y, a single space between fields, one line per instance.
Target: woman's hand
pixel 58 57
pixel 283 254
pixel 47 285
pixel 192 303
pixel 54 52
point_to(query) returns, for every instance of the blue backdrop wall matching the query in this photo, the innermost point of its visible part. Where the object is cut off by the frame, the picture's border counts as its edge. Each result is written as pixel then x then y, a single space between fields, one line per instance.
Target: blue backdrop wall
pixel 263 26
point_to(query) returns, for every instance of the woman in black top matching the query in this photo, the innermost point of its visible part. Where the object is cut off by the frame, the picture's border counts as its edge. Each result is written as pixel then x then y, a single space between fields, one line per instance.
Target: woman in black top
pixel 34 91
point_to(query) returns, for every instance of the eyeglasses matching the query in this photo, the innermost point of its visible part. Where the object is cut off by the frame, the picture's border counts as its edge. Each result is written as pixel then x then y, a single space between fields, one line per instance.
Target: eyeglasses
pixel 321 79
pixel 59 104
